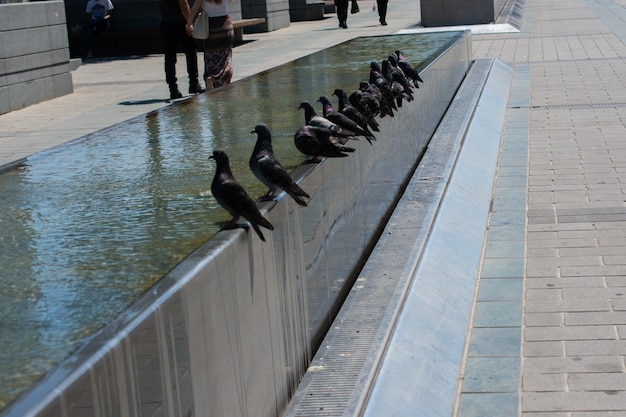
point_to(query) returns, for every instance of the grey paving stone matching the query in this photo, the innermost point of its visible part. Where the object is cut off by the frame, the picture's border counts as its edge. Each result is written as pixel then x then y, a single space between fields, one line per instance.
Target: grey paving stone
pixel 504 249
pixel 498 314
pixel 544 382
pixel 549 349
pixel 597 382
pixel 506 232
pixel 500 289
pixel 595 318
pixel 538 306
pixel 603 270
pixel 563 243
pixel 578 364
pixel 508 217
pixel 512 267
pixel 544 294
pixel 594 293
pixel 573 401
pixel 595 347
pixel 606 332
pixel 543 319
pixel 491 375
pixel 500 342
pixel 569 282
pixel 488 404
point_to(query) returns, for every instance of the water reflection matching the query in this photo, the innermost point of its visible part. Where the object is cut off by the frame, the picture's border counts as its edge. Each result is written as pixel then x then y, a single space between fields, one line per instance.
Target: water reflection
pixel 87 228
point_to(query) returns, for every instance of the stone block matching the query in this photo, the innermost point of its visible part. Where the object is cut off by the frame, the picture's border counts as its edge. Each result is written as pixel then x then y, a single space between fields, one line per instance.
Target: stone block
pixel 34 55
pixel 30 92
pixel 62 84
pixel 15 16
pixel 5 106
pixel 55 15
pixel 57 37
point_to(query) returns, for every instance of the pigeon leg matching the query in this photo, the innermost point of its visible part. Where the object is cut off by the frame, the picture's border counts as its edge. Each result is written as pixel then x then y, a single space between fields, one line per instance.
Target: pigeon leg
pixel 267 196
pixel 232 224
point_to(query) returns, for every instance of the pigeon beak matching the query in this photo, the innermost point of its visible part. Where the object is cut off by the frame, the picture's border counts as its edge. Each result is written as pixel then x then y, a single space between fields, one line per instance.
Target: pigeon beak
pixel 253 131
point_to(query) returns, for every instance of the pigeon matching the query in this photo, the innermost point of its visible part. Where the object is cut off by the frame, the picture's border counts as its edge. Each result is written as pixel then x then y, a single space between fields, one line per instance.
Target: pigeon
pixel 311 118
pixel 373 90
pixel 268 169
pixel 344 121
pixel 365 102
pixel 393 60
pixel 408 69
pixel 377 78
pixel 233 198
pixel 352 112
pixel 315 141
pixel 394 74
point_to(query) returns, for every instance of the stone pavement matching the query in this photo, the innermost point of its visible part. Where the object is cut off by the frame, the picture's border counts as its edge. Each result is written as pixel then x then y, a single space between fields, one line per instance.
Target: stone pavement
pixel 550 316
pixel 549 326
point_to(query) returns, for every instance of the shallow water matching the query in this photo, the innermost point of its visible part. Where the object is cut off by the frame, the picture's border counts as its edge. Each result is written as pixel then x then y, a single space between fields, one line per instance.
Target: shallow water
pixel 90 226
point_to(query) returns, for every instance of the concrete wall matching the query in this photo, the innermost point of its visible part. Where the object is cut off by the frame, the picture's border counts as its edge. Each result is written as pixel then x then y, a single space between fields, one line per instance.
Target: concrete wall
pixel 459 12
pixel 34 54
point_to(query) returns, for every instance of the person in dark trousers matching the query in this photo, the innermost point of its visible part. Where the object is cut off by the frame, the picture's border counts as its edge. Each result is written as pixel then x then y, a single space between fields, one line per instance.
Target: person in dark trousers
pixel 98 20
pixel 342 12
pixel 382 11
pixel 174 15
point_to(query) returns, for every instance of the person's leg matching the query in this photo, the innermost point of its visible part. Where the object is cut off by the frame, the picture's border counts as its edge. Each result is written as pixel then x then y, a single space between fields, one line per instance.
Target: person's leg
pixel 382 11
pixel 218 52
pixel 170 43
pixel 89 40
pixel 191 55
pixel 342 12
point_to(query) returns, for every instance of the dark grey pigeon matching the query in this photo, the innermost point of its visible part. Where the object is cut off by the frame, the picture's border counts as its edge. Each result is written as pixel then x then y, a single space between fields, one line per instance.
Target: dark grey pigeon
pixel 373 90
pixel 393 60
pixel 316 141
pixel 352 112
pixel 408 69
pixel 365 102
pixel 394 74
pixel 344 121
pixel 233 198
pixel 377 78
pixel 268 169
pixel 311 118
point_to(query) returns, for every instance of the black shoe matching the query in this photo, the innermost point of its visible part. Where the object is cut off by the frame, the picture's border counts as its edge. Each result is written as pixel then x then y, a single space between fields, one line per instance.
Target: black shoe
pixel 175 92
pixel 195 88
pixel 345 25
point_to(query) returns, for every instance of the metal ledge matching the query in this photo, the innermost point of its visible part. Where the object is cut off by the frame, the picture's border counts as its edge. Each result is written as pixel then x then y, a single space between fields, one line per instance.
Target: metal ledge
pixel 396 346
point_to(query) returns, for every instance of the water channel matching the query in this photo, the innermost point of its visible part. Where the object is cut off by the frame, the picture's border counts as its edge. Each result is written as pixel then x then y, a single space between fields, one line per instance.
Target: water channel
pixel 90 226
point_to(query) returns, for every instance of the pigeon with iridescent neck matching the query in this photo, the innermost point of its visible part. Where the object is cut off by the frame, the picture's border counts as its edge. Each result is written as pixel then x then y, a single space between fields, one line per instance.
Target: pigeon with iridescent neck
pixel 344 121
pixel 269 170
pixel 233 198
